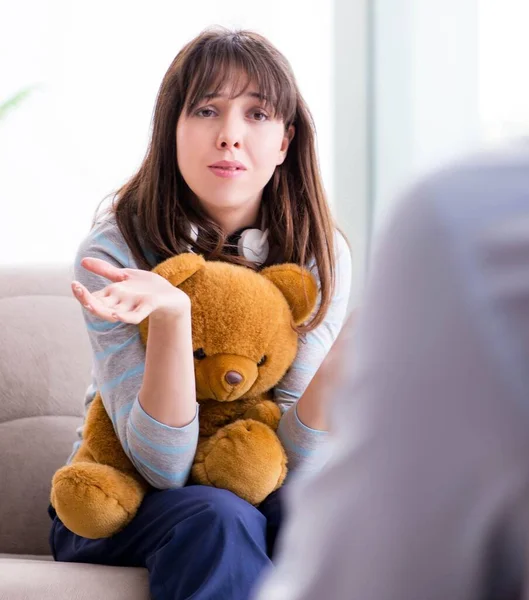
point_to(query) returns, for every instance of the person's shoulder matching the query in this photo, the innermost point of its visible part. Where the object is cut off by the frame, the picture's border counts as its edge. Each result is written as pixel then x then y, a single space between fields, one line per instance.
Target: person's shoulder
pixel 104 224
pixel 342 256
pixel 106 241
pixel 342 250
pixel 466 195
pixel 487 181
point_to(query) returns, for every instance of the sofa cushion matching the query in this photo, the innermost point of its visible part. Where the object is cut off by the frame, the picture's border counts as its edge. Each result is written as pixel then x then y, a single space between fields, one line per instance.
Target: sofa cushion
pixel 45 363
pixel 26 579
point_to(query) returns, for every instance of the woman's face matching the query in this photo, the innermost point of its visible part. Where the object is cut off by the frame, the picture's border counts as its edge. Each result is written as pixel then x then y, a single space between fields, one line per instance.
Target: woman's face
pixel 228 149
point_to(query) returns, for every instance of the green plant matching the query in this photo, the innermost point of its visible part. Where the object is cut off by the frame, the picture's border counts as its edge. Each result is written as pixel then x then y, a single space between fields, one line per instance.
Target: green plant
pixel 15 100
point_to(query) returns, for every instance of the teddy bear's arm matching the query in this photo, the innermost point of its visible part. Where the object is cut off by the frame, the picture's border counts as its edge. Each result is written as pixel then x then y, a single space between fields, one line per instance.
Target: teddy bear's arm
pixel 266 412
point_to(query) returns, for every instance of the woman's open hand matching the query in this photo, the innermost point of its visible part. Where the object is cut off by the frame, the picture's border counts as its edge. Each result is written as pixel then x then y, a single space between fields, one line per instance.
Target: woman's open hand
pixel 132 296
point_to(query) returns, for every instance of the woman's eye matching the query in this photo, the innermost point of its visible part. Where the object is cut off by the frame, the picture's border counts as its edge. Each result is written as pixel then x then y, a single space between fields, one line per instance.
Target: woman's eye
pixel 205 112
pixel 260 116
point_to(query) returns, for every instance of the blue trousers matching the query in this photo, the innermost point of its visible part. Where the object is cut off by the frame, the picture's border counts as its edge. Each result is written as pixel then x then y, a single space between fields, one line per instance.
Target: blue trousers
pixel 196 542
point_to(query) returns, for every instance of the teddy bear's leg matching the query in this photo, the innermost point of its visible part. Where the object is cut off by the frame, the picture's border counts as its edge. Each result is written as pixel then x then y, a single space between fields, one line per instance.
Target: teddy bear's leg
pixel 94 500
pixel 245 457
pixel 100 491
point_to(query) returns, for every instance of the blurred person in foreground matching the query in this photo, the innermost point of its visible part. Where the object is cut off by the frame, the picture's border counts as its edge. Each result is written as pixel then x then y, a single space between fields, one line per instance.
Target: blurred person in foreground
pixel 426 493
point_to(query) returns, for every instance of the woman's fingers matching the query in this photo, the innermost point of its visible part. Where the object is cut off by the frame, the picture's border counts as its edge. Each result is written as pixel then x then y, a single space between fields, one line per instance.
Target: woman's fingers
pixel 81 293
pixel 107 298
pixel 129 302
pixel 92 303
pixel 124 305
pixel 105 269
pixel 134 315
pixel 110 307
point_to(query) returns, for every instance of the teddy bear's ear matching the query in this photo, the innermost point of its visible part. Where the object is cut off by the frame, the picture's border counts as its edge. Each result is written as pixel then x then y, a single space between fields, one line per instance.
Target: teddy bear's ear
pixel 179 268
pixel 297 285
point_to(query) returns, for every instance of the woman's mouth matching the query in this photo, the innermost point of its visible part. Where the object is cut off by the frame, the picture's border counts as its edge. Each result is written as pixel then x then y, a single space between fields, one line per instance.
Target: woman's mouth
pixel 227 172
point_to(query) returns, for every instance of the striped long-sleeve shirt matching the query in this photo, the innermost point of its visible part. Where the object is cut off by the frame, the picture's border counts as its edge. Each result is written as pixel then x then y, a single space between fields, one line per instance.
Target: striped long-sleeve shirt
pixel 163 454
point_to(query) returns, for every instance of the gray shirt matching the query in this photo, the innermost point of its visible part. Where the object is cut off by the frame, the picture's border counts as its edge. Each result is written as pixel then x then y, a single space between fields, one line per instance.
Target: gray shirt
pixel 426 493
pixel 163 454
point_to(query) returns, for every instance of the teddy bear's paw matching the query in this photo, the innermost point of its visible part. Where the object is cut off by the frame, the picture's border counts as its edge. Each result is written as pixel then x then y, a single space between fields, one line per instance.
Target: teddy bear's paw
pixel 245 457
pixel 266 412
pixel 94 500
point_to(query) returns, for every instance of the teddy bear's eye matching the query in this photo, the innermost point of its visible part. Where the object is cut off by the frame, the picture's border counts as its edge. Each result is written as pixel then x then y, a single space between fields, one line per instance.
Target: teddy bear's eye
pixel 262 361
pixel 199 354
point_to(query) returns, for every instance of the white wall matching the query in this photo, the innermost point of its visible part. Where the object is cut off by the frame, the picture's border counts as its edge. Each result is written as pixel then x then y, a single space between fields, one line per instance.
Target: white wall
pixel 504 80
pixel 352 131
pixel 84 132
pixel 425 89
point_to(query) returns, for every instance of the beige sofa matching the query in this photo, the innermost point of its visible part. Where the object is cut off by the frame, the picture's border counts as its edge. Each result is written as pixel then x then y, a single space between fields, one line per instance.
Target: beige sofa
pixel 44 370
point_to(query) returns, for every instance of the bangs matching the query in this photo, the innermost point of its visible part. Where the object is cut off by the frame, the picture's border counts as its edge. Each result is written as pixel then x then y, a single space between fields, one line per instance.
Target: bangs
pixel 240 62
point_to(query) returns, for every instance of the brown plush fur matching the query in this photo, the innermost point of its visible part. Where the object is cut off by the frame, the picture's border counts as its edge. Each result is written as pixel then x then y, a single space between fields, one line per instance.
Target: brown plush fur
pixel 243 321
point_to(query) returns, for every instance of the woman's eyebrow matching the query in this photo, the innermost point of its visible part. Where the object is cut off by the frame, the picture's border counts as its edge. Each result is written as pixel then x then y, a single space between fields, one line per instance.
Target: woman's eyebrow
pixel 214 95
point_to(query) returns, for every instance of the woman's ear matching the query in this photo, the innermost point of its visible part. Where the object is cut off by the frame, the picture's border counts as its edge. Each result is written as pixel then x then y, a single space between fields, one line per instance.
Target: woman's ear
pixel 179 268
pixel 297 285
pixel 287 138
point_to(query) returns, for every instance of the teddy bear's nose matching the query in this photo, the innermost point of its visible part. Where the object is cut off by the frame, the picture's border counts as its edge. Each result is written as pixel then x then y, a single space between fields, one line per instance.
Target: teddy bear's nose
pixel 233 378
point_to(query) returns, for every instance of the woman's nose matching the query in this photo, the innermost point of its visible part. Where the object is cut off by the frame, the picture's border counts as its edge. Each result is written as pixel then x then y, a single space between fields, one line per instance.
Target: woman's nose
pixel 230 134
pixel 227 141
pixel 229 144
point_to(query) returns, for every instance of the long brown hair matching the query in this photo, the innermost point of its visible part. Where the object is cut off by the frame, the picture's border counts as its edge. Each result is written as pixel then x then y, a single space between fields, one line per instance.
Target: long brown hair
pixel 155 207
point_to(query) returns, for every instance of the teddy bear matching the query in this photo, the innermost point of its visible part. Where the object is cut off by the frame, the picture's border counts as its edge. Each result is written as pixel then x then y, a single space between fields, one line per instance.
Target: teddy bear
pixel 244 340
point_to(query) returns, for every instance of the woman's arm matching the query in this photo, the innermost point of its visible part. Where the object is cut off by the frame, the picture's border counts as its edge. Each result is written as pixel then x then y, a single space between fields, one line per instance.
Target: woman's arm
pixel 168 393
pixel 148 393
pixel 313 407
pixel 303 427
